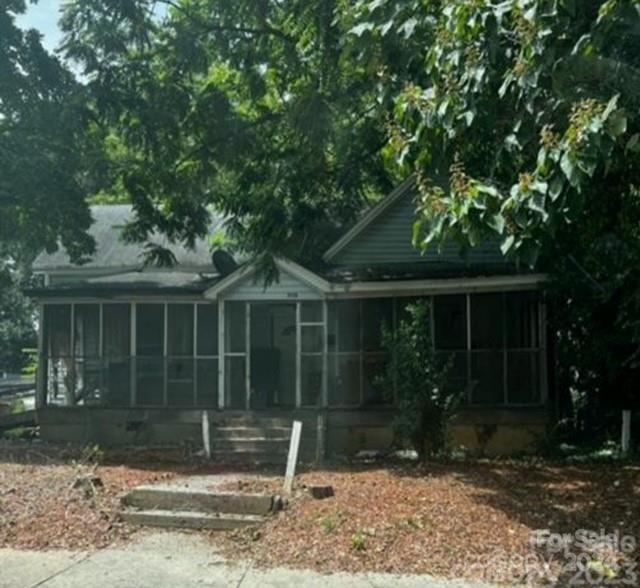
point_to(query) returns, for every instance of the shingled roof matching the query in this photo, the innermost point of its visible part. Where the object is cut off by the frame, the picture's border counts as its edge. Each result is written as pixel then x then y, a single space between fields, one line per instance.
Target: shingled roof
pixel 113 253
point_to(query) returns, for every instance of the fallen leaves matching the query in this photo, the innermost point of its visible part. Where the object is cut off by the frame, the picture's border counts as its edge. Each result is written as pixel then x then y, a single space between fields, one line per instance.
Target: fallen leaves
pixel 438 519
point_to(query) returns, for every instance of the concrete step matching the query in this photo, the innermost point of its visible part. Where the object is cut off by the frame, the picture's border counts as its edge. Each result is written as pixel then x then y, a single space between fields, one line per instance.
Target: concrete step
pixel 272 457
pixel 241 431
pixel 190 519
pixel 178 499
pixel 266 420
pixel 254 444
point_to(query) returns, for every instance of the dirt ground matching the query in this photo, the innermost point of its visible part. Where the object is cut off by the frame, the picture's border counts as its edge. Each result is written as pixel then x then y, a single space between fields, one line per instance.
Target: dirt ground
pixel 54 496
pixel 454 520
pixel 457 520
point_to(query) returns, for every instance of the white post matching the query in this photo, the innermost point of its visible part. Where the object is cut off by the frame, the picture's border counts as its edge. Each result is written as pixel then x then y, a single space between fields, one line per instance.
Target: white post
pixel 206 435
pixel 320 438
pixel 292 458
pixel 626 431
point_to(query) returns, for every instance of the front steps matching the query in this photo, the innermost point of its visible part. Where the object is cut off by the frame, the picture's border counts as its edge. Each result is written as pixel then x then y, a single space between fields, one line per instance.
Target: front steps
pixel 195 509
pixel 260 439
pixel 190 520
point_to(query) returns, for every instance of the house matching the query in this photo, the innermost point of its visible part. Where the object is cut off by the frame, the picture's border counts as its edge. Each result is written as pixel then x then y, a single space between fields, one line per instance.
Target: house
pixel 134 355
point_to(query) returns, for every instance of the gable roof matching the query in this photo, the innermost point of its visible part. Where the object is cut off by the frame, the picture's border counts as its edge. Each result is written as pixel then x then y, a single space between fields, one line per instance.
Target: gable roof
pixel 306 277
pixel 113 253
pixel 381 243
pixel 404 188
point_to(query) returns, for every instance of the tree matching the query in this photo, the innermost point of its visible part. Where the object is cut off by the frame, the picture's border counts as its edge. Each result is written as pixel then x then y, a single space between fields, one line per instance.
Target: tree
pixel 522 126
pixel 48 155
pixel 257 108
pixel 17 329
pixel 45 151
pixel 425 402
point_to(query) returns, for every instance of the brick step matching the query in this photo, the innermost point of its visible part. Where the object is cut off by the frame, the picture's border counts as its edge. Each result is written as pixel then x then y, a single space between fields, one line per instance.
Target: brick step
pixel 177 499
pixel 190 519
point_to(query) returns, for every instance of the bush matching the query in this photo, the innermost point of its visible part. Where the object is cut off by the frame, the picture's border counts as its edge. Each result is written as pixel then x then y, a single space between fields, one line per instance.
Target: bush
pixel 425 403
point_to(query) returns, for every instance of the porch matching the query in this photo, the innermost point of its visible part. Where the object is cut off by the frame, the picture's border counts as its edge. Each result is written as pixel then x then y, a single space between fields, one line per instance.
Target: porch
pixel 275 354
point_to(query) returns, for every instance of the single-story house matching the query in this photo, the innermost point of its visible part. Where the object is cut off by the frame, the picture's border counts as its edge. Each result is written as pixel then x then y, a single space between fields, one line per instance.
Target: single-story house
pixel 133 354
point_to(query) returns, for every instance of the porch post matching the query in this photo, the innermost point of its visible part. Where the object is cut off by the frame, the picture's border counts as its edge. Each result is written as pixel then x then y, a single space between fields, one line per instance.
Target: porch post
pixel 133 379
pixel 247 354
pixel 71 383
pixel 221 355
pixel 542 343
pixel 469 386
pixel 165 358
pixel 42 362
pixel 298 356
pixel 194 363
pixel 325 354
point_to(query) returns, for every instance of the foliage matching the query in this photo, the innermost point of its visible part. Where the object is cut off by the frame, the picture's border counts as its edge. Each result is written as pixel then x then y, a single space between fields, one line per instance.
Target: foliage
pixel 257 108
pixel 424 401
pixel 520 121
pixel 358 542
pixel 46 150
pixel 17 327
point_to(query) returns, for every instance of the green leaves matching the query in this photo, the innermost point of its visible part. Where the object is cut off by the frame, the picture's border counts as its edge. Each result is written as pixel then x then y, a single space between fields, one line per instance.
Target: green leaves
pixel 261 110
pixel 47 153
pixel 527 96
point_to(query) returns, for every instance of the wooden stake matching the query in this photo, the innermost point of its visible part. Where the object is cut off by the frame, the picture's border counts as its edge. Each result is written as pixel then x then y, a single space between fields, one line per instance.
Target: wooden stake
pixel 292 458
pixel 206 436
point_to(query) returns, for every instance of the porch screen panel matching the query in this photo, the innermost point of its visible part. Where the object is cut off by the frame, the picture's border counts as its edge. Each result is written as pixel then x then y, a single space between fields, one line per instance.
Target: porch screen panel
pixel 235 368
pixel 58 358
pixel 487 349
pixel 207 330
pixel 377 313
pixel 88 363
pixel 150 363
pixel 312 333
pixel 207 355
pixel 506 354
pixel 345 343
pixel 450 337
pixel 116 354
pixel 180 349
pixel 524 354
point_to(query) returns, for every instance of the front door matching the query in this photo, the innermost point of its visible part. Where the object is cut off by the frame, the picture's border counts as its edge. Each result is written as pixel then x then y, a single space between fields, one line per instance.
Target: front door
pixel 272 354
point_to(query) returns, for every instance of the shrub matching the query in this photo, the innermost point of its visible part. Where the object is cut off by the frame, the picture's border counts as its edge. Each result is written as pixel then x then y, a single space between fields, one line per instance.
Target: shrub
pixel 425 403
pixel 358 542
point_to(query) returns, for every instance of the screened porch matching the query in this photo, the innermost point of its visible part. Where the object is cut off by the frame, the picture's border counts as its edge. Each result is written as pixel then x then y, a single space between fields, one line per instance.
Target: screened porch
pixel 253 355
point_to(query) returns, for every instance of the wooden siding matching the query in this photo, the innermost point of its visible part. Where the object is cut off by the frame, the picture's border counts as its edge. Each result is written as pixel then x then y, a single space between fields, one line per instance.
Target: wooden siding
pixel 387 240
pixel 286 288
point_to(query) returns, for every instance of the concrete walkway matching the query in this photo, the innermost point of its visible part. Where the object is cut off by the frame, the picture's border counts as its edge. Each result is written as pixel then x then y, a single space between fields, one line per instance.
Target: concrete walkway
pixel 176 560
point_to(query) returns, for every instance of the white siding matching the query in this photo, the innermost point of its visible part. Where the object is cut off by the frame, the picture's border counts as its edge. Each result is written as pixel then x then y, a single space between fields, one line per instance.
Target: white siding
pixel 286 288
